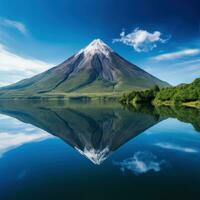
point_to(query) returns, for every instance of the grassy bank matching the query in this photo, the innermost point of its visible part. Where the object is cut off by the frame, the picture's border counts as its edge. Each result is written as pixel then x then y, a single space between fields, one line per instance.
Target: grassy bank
pixel 65 96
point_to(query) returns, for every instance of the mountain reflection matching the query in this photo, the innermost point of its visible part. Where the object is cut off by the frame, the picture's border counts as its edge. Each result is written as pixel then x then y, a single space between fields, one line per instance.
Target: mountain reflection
pixel 95 130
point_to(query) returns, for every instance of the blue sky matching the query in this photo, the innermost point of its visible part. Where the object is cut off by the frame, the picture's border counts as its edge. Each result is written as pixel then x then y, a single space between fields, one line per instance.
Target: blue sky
pixel 162 37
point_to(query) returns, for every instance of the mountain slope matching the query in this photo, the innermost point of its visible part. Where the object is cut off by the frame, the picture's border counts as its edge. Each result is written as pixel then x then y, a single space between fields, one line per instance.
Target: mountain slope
pixel 94 69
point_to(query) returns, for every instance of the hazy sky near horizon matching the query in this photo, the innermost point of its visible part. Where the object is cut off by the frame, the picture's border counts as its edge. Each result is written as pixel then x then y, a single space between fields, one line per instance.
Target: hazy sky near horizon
pixel 161 37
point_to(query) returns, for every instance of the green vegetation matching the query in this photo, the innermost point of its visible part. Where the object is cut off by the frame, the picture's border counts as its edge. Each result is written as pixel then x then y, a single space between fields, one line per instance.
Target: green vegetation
pixel 184 94
pixel 180 94
pixel 144 96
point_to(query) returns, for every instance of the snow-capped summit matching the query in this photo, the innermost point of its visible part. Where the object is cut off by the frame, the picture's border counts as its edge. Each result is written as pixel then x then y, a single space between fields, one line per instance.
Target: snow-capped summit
pixel 97 46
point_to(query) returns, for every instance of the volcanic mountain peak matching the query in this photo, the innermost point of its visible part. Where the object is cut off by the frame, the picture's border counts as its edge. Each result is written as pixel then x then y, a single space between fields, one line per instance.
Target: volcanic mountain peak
pixel 94 69
pixel 97 46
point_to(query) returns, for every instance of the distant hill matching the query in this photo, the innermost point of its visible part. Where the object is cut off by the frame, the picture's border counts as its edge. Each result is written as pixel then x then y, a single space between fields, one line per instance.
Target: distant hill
pixel 94 69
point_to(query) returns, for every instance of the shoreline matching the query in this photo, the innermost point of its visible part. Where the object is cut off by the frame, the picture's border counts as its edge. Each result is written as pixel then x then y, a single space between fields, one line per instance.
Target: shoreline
pixel 190 104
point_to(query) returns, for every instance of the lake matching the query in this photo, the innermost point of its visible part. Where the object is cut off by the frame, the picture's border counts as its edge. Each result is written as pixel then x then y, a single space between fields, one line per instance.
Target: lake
pixel 73 150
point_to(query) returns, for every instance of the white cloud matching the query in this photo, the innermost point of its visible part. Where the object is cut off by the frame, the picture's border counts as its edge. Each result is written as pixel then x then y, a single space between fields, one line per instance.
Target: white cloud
pixel 177 54
pixel 188 70
pixel 4 117
pixel 176 147
pixel 13 24
pixel 141 162
pixel 14 67
pixel 188 62
pixel 141 40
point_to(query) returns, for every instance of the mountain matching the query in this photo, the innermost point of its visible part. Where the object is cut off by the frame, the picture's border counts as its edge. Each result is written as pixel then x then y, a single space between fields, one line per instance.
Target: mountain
pixel 94 69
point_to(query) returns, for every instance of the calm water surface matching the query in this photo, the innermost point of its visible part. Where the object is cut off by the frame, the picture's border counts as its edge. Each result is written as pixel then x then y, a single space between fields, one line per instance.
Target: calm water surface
pixel 98 151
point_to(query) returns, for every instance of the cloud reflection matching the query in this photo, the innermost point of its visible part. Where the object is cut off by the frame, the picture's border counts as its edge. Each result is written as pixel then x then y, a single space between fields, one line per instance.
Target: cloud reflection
pixel 14 133
pixel 176 147
pixel 141 162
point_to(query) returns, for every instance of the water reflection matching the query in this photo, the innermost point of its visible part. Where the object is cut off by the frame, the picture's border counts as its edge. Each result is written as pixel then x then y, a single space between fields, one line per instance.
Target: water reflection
pixel 94 130
pixel 155 157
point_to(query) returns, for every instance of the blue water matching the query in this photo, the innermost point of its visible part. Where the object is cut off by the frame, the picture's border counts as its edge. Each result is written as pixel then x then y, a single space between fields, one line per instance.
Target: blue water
pixel 161 162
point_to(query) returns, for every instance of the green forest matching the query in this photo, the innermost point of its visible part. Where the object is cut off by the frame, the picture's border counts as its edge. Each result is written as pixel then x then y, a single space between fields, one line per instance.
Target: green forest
pixel 183 94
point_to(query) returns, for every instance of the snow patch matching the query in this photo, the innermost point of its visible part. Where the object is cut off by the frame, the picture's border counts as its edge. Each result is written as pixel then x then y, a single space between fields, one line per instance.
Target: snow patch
pixel 97 46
